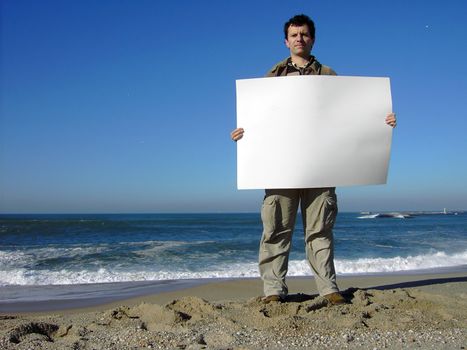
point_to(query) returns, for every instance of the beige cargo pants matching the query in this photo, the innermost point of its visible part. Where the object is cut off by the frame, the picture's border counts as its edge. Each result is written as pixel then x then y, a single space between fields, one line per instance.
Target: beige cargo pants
pixel 278 213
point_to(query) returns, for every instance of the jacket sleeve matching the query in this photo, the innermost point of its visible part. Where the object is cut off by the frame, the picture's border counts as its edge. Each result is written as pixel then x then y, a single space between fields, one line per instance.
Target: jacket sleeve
pixel 326 70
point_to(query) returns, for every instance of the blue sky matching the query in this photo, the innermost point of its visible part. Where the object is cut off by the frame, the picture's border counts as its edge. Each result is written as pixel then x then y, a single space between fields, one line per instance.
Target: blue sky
pixel 126 106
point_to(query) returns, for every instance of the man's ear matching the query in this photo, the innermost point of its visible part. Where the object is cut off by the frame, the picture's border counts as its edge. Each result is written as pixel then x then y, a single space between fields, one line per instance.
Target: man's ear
pixel 286 43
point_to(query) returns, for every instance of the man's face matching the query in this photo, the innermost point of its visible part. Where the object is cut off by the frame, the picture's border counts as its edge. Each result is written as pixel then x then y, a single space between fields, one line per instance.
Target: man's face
pixel 299 40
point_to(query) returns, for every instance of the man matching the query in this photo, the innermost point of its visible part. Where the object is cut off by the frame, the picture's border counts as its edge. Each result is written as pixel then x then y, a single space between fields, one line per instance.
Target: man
pixel 318 205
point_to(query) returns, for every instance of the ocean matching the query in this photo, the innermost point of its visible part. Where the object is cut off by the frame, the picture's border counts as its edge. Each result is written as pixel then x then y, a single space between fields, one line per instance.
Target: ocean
pixel 45 250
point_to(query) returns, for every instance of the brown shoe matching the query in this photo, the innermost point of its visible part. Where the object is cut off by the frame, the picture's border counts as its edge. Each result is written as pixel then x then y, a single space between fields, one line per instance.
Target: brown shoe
pixel 272 298
pixel 335 298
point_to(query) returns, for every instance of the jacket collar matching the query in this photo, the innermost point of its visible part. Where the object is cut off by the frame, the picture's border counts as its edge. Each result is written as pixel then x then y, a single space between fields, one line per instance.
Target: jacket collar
pixel 312 68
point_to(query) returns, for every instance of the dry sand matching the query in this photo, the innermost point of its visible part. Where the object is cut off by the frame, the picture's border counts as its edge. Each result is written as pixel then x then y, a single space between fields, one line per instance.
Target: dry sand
pixel 393 311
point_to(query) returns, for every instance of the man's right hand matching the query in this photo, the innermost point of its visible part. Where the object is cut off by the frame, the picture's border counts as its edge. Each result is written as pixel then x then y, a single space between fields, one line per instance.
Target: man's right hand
pixel 237 134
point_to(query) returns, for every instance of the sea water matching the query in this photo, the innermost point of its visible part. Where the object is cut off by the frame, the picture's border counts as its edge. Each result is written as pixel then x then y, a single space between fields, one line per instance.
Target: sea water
pixel 38 250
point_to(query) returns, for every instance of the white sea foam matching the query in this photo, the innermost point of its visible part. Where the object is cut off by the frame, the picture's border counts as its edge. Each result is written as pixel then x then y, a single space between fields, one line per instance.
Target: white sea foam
pixel 396 264
pixel 52 252
pixel 419 262
pixel 385 215
pixel 102 275
pixel 368 216
pixel 150 248
pixel 14 258
pixel 22 276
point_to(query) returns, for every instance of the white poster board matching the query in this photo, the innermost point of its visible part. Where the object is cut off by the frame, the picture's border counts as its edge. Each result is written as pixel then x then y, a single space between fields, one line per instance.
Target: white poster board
pixel 313 131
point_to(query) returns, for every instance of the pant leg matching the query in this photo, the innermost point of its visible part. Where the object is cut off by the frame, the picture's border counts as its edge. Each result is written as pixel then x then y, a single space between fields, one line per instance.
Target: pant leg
pixel 319 211
pixel 278 214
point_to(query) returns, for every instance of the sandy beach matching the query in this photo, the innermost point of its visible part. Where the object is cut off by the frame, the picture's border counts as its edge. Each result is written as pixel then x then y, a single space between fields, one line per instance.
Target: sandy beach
pixel 394 311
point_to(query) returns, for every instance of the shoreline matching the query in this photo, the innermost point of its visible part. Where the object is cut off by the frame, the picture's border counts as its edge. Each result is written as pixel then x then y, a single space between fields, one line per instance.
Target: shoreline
pixel 99 296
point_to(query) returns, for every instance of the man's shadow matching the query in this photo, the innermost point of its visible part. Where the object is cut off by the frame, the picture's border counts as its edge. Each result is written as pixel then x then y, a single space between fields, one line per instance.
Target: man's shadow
pixel 348 294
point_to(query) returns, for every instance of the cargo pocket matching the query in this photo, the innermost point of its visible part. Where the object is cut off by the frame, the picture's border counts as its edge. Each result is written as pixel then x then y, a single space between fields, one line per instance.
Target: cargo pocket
pixel 269 216
pixel 330 211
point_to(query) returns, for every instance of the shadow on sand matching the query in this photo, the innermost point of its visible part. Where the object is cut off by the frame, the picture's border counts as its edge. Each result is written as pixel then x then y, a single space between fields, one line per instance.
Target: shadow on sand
pixel 349 292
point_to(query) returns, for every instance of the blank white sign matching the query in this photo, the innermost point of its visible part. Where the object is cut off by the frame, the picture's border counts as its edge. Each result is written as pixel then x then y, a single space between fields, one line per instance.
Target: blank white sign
pixel 313 131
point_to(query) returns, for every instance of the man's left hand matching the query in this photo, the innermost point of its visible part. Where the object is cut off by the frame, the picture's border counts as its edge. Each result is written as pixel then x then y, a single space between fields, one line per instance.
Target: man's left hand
pixel 391 120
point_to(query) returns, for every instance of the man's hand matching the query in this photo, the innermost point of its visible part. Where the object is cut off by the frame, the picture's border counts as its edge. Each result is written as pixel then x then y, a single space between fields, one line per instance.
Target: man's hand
pixel 237 134
pixel 391 120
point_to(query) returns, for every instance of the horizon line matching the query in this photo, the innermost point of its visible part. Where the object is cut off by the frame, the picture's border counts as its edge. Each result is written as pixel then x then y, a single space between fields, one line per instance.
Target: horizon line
pixel 225 212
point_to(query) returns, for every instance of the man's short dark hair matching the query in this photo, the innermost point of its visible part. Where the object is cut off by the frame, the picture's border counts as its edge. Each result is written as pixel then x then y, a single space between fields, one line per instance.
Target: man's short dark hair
pixel 298 21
